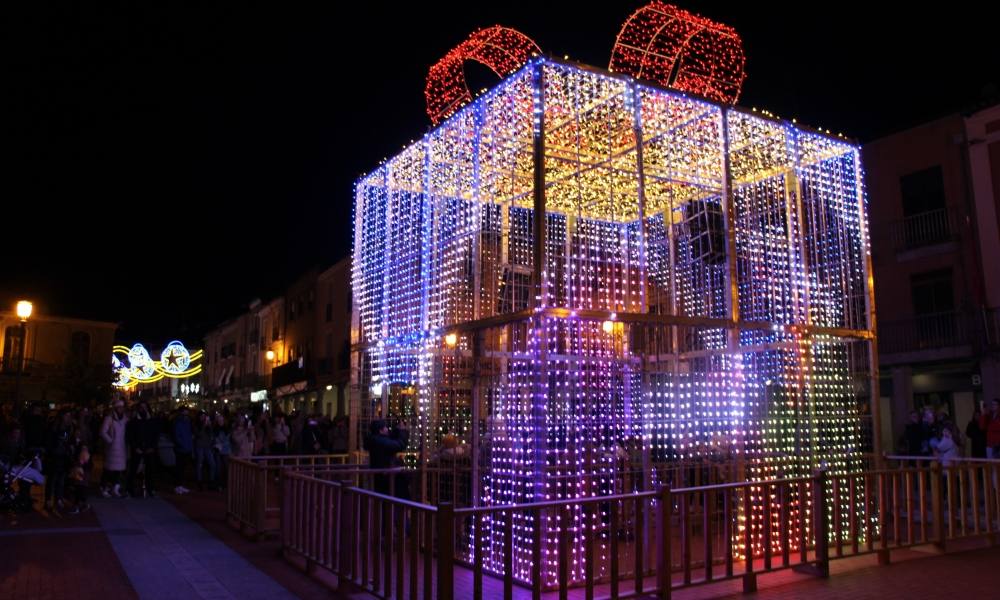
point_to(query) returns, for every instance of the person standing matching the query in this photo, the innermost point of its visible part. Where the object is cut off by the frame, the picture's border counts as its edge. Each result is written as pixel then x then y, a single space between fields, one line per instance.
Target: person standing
pixel 222 448
pixel 183 448
pixel 990 423
pixel 312 439
pixel 115 452
pixel 57 460
pixel 976 435
pixel 143 433
pixel 243 438
pixel 279 435
pixel 383 446
pixel 204 453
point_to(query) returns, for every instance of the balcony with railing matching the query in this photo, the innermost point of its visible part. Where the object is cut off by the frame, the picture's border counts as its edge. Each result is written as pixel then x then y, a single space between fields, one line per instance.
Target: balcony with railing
pixel 952 332
pixel 290 373
pixel 924 229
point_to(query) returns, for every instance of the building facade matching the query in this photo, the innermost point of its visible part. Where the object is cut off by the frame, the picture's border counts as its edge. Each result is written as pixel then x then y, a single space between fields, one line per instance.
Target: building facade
pixel 227 375
pixel 64 360
pixel 933 193
pixel 333 343
pixel 290 353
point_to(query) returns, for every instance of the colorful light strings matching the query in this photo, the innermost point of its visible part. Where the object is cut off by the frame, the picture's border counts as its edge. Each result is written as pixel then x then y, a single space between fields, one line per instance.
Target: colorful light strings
pixel 665 216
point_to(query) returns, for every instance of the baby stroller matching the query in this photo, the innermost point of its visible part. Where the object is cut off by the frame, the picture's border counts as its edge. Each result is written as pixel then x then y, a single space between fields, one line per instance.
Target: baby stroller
pixel 28 474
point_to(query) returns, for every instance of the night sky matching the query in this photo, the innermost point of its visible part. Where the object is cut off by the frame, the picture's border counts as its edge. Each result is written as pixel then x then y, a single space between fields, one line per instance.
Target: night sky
pixel 164 166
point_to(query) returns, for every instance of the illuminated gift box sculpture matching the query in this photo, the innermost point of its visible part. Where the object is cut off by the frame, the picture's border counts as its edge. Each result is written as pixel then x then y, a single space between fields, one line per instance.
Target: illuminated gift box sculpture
pixel 589 280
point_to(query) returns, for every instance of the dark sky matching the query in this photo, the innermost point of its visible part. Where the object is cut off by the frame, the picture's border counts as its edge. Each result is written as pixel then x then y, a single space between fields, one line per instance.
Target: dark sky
pixel 163 166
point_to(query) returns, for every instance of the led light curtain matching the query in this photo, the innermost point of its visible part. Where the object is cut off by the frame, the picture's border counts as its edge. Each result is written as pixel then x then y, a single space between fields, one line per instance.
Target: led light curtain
pixel 700 296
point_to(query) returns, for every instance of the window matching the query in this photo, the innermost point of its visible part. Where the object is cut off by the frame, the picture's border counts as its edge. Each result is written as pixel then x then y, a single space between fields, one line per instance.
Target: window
pixel 934 305
pixel 80 348
pixel 933 292
pixel 329 312
pixel 11 348
pixel 922 192
pixel 275 333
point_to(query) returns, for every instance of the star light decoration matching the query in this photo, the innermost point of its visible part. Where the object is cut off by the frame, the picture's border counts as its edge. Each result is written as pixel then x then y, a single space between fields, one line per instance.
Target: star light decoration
pixel 136 366
pixel 657 205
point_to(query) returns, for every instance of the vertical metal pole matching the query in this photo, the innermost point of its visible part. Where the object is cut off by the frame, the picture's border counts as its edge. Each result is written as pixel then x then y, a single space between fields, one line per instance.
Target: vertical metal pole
pixel 539 274
pixel 645 387
pixel 637 130
pixel 539 288
pixel 23 333
pixel 801 300
pixel 729 220
pixel 477 216
pixel 477 357
pixel 870 312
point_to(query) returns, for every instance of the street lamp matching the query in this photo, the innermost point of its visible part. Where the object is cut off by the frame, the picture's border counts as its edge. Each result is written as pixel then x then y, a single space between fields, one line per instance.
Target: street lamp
pixel 24 310
pixel 23 313
pixel 270 355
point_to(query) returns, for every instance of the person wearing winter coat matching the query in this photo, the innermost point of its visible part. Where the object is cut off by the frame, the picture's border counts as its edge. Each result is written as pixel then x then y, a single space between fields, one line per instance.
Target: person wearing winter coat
pixel 204 453
pixel 61 440
pixel 143 433
pixel 183 434
pixel 989 422
pixel 946 451
pixel 222 448
pixel 312 438
pixel 383 446
pixel 977 437
pixel 279 435
pixel 243 439
pixel 115 451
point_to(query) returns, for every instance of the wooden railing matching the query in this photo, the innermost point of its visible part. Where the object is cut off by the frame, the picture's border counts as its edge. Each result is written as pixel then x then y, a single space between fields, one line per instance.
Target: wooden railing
pixel 964 495
pixel 253 488
pixel 630 544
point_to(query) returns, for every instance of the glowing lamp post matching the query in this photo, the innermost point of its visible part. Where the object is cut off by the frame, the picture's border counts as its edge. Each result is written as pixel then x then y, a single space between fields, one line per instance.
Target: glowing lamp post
pixel 23 310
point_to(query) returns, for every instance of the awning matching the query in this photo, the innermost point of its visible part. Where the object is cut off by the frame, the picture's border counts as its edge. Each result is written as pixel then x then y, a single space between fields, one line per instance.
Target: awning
pixel 292 388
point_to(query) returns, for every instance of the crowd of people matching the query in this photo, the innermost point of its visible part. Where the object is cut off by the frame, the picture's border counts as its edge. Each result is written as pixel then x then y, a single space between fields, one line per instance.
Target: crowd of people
pixel 133 447
pixel 934 433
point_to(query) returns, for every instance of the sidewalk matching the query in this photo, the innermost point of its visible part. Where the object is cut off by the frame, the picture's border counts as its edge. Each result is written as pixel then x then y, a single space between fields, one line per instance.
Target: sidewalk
pixel 138 549
pixel 167 556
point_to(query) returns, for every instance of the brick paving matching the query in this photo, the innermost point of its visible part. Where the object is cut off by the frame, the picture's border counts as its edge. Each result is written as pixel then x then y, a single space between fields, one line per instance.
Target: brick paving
pixel 126 549
pixel 71 563
pixel 196 554
pixel 968 574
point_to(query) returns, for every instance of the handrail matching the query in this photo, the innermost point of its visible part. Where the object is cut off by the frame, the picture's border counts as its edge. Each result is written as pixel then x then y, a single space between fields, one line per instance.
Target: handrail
pixel 969 459
pixel 364 492
pixel 381 542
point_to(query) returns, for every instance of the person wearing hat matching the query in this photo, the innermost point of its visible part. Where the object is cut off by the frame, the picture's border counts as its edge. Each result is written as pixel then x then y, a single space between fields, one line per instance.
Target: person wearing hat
pixel 115 454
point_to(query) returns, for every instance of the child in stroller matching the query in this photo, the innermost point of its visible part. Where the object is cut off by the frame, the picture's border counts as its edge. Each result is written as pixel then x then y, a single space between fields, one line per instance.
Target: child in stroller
pixel 24 475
